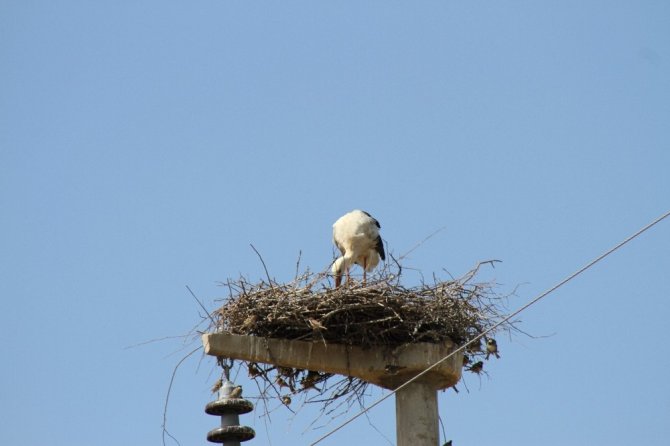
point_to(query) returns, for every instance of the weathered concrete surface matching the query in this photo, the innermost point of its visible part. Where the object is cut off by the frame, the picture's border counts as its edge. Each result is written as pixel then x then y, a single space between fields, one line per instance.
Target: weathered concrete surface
pixel 416 415
pixel 383 367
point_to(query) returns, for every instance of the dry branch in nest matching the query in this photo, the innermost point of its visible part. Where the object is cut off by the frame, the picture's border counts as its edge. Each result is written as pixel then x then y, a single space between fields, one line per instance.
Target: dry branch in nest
pixel 382 314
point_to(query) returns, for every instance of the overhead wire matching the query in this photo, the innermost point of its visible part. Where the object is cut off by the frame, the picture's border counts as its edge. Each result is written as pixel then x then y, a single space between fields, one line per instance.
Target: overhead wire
pixel 493 327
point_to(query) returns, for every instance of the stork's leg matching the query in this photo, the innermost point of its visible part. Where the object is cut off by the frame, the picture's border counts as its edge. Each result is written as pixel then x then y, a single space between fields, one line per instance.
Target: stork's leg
pixel 338 280
pixel 365 264
pixel 348 276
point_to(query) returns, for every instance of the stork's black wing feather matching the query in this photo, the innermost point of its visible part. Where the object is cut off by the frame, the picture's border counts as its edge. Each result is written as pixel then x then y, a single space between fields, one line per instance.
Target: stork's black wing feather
pixel 379 247
pixel 373 219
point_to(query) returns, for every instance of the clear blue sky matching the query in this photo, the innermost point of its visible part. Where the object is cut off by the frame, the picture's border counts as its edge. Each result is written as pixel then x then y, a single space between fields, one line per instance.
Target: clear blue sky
pixel 145 144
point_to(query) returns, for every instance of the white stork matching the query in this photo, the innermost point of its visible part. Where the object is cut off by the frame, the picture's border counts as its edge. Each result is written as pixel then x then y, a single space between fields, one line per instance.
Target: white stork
pixel 356 235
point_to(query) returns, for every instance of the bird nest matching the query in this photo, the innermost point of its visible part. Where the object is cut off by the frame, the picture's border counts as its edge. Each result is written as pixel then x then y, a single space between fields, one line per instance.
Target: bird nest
pixel 381 314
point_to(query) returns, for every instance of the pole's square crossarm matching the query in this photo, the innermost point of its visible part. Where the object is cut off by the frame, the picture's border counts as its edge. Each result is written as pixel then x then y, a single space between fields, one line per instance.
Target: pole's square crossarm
pixel 382 366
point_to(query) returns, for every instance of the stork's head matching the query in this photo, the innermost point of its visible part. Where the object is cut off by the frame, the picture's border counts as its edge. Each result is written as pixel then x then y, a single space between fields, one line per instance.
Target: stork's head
pixel 338 269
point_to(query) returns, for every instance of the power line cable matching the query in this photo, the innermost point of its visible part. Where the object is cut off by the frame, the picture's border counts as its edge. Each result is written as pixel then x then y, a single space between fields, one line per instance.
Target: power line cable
pixel 481 335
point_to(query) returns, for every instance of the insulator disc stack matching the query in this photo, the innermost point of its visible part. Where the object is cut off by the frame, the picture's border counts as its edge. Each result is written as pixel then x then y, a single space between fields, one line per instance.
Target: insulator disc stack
pixel 229 406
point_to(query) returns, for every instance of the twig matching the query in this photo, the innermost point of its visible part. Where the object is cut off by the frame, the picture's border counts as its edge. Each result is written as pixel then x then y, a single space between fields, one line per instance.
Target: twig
pixel 297 264
pixel 444 433
pixel 397 264
pixel 267 274
pixel 167 396
pixel 422 242
pixel 201 305
pixel 151 341
pixel 470 274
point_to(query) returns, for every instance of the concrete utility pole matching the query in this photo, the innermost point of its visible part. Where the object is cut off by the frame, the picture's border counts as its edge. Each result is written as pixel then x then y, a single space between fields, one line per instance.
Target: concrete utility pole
pixel 416 403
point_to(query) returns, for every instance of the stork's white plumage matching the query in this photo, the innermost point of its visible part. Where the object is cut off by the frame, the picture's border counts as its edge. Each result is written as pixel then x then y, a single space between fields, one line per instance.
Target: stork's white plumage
pixel 356 235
